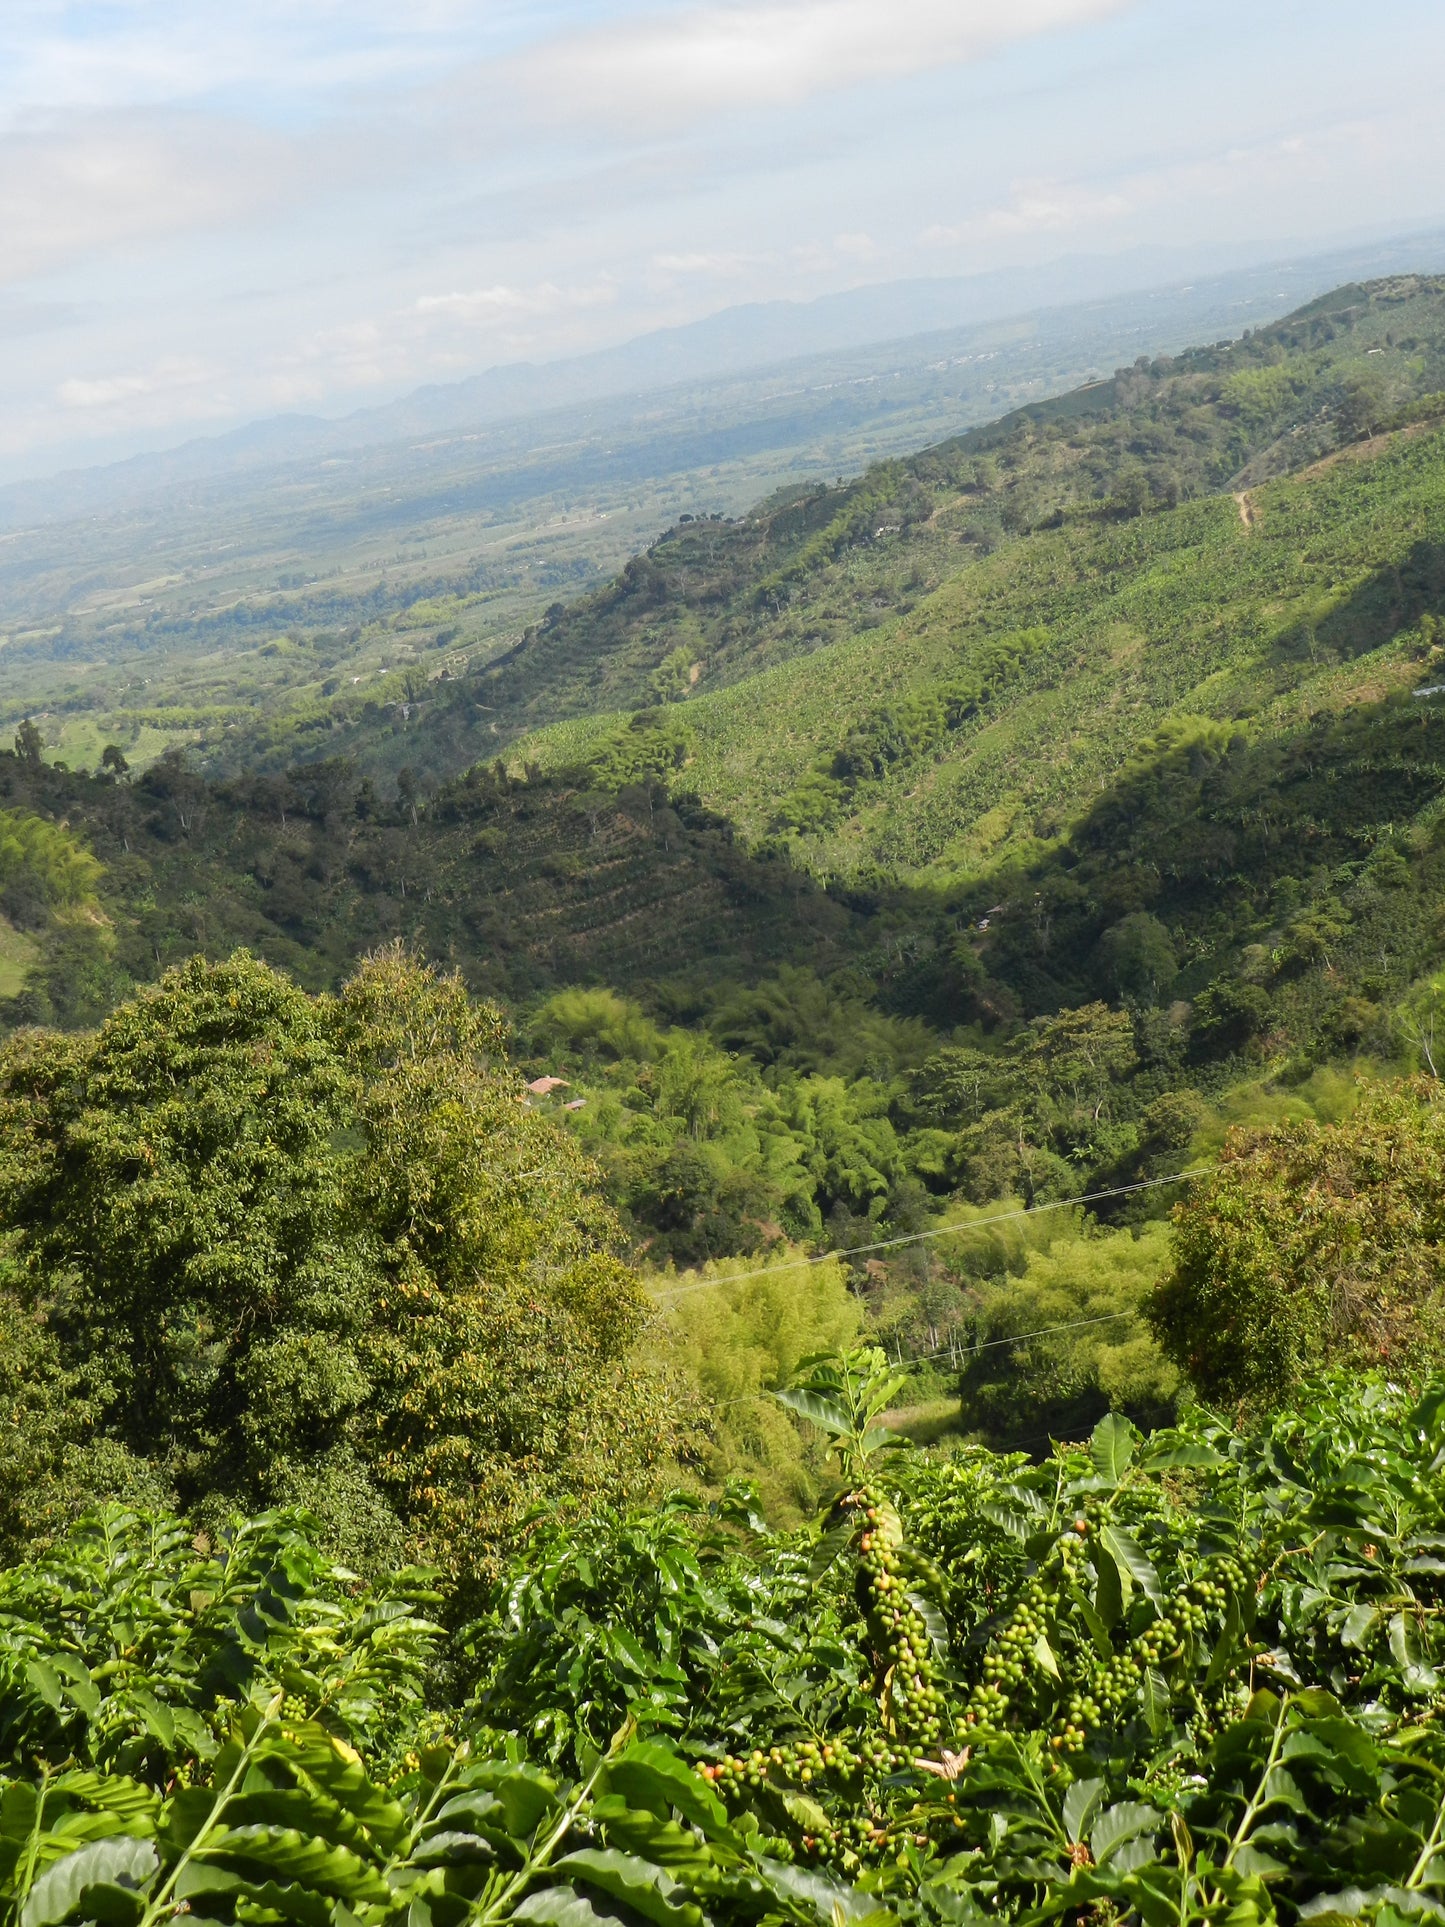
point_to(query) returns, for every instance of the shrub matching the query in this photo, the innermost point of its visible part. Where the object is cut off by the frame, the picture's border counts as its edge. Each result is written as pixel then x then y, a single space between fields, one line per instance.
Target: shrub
pixel 1312 1244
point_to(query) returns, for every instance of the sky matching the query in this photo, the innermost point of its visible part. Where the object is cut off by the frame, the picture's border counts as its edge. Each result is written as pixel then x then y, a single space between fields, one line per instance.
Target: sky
pixel 218 210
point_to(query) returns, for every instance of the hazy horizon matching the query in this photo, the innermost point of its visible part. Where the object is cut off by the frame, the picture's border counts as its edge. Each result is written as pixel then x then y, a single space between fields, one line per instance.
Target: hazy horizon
pixel 778 333
pixel 214 215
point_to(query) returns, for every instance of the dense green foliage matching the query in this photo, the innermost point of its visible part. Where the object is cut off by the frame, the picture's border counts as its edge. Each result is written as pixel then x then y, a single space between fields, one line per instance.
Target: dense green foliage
pixel 772 1124
pixel 316 1250
pixel 1311 1245
pixel 128 1644
pixel 1068 1340
pixel 524 885
pixel 1130 826
pixel 737 1333
pixel 1126 805
pixel 1187 1679
pixel 1052 813
pixel 196 1719
pixel 1316 601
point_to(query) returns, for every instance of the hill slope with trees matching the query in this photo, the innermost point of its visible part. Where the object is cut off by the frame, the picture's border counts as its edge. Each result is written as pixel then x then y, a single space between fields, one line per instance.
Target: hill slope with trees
pixel 715 602
pixel 1126 830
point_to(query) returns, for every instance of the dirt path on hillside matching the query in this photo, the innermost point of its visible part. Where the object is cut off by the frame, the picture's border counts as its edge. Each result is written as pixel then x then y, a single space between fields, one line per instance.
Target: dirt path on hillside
pixel 1246 508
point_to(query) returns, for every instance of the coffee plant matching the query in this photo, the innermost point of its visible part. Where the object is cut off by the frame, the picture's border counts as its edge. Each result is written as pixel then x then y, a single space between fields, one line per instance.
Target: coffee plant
pixel 1193 1678
pixel 1013 1679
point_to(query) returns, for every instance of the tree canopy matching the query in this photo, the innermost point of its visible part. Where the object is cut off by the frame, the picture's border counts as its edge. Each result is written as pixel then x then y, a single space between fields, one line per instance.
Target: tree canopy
pixel 320 1249
pixel 1310 1245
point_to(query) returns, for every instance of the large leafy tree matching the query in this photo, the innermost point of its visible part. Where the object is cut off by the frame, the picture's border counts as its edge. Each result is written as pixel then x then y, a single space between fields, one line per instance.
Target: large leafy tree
pixel 316 1248
pixel 501 1350
pixel 1312 1244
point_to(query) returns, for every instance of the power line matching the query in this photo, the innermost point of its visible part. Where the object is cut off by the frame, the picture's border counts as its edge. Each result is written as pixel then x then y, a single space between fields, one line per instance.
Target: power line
pixel 918 1237
pixel 964 1352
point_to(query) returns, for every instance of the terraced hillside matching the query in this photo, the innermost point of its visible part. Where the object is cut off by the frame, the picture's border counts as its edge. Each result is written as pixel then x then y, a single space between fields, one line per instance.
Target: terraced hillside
pixel 715 601
pixel 521 885
pixel 975 724
pixel 979 724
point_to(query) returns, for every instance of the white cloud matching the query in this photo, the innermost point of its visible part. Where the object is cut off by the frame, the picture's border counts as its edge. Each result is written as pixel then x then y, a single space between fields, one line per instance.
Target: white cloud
pixel 1050 207
pixel 719 265
pixel 69 55
pixel 481 304
pixel 336 199
pixel 112 181
pixel 667 68
pixel 1054 213
pixel 166 378
pixel 1060 207
pixel 169 119
pixel 490 304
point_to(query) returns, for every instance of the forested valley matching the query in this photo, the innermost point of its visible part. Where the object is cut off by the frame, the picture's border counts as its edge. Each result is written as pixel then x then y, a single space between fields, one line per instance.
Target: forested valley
pixel 778 1259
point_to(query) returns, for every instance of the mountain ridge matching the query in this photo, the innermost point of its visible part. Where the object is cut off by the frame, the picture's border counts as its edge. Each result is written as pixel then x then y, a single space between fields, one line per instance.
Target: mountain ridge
pixel 752 336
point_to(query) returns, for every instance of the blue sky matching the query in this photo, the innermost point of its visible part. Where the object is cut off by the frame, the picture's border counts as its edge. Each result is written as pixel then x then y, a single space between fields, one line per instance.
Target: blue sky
pixel 210 212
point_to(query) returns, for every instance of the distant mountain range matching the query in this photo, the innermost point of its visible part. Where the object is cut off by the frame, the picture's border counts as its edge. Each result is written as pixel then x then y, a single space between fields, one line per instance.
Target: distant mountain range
pixel 755 337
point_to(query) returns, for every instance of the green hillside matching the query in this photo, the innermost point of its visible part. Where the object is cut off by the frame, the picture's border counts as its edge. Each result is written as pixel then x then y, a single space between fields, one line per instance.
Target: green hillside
pixel 526 886
pixel 978 723
pixel 817 564
pixel 235 594
pixel 988 682
pixel 429 667
pixel 1039 805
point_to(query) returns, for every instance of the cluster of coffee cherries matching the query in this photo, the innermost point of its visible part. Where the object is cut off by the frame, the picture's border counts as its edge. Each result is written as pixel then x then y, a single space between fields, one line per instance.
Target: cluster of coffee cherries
pixel 855 1836
pixel 911 1704
pixel 1006 1663
pixel 1111 1690
pixel 1009 1662
pixel 859 1838
pixel 911 1700
pixel 1226 1575
pixel 796 1762
pixel 806 1762
pixel 1112 1687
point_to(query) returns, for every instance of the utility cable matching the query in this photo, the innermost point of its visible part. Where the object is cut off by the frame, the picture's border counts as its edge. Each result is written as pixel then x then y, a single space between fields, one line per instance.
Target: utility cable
pixel 964 1352
pixel 669 1292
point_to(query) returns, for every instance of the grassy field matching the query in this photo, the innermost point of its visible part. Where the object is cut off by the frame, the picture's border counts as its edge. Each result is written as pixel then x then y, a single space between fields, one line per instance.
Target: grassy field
pixel 18 953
